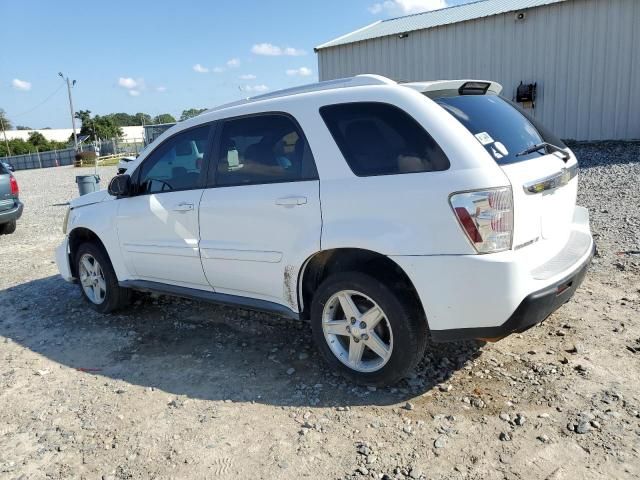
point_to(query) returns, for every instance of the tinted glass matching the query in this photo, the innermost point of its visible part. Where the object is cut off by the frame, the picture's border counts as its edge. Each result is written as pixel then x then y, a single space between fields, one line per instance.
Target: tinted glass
pixel 502 128
pixel 263 149
pixel 176 164
pixel 3 170
pixel 380 139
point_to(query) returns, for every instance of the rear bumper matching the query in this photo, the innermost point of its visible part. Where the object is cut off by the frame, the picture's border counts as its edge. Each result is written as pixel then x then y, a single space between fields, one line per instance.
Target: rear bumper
pixel 534 309
pixel 491 296
pixel 12 214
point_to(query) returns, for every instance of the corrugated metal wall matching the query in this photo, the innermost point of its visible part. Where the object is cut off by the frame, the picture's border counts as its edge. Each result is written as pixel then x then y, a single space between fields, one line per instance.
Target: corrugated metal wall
pixel 584 55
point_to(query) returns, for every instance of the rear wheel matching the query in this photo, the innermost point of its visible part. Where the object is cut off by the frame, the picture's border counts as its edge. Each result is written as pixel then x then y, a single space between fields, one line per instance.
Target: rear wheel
pixel 98 281
pixel 7 228
pixel 365 330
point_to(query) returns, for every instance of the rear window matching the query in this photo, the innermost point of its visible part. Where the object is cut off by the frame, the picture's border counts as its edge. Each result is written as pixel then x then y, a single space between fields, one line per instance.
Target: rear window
pixel 381 139
pixel 2 169
pixel 500 126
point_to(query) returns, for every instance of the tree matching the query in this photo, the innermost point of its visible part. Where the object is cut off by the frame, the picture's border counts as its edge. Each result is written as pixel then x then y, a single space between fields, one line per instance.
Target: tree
pixel 98 127
pixel 192 112
pixel 123 119
pixel 22 127
pixel 143 118
pixel 37 140
pixel 164 118
pixel 4 121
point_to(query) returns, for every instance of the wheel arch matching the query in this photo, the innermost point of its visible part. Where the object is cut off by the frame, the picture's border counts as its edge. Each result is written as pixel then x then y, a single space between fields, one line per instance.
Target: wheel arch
pixel 327 262
pixel 77 237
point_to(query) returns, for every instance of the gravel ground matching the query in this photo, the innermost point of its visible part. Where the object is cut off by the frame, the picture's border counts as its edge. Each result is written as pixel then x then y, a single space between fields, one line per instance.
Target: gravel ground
pixel 179 389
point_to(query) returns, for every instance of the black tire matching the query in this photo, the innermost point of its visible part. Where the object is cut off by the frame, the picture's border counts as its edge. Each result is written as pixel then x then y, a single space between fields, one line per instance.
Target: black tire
pixel 8 228
pixel 115 297
pixel 406 321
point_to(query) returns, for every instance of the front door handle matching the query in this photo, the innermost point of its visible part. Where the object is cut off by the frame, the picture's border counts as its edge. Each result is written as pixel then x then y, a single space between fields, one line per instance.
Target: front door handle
pixel 183 207
pixel 291 201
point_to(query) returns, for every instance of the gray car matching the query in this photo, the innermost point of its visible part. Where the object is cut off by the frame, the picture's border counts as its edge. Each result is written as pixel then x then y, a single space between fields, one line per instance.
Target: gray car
pixel 10 205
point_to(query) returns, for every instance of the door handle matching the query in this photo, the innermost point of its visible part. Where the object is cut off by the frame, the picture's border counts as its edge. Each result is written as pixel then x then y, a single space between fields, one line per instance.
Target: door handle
pixel 183 207
pixel 291 201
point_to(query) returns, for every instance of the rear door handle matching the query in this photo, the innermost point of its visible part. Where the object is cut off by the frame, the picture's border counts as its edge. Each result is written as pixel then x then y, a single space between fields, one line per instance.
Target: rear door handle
pixel 183 207
pixel 291 201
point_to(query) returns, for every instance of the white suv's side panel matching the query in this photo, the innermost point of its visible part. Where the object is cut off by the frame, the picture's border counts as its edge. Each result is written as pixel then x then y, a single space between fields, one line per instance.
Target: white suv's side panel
pixel 406 214
pixel 159 237
pixel 255 237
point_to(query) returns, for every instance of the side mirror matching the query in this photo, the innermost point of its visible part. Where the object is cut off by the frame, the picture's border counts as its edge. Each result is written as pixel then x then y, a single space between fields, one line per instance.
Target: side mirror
pixel 120 186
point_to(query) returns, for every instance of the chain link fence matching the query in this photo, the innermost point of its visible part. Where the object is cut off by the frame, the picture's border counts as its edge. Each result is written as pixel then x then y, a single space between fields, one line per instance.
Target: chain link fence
pixel 59 158
pixel 52 158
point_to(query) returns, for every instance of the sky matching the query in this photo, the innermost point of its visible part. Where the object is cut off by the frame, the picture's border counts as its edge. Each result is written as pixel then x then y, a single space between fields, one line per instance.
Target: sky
pixel 165 57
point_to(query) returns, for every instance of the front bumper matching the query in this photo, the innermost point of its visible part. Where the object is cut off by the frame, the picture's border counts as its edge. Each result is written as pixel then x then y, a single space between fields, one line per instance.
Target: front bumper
pixel 62 260
pixel 12 214
pixel 534 309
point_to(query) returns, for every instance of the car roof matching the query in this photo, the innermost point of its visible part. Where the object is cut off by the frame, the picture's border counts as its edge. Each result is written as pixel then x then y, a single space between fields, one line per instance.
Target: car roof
pixel 366 80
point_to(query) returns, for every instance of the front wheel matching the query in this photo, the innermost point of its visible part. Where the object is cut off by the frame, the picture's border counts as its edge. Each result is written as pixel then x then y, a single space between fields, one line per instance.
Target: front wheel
pixel 98 280
pixel 365 330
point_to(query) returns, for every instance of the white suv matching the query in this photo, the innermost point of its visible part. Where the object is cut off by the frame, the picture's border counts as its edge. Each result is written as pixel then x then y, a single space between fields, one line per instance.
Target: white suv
pixel 384 213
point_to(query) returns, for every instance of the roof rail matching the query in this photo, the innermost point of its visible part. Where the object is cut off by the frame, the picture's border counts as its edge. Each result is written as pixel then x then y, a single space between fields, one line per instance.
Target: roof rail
pixel 357 81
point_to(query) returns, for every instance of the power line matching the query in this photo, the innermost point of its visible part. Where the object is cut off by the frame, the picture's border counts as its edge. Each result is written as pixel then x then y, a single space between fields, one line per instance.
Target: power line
pixel 39 104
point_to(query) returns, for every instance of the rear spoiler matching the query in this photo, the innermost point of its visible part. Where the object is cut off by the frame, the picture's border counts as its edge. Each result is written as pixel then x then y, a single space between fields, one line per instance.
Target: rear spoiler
pixel 462 87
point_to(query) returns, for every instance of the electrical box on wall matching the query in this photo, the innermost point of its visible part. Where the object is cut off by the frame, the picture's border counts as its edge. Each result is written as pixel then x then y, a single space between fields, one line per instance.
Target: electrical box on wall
pixel 526 94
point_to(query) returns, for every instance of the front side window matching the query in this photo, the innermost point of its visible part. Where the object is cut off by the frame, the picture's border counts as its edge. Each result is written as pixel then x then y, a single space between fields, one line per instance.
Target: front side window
pixel 176 164
pixel 381 139
pixel 266 148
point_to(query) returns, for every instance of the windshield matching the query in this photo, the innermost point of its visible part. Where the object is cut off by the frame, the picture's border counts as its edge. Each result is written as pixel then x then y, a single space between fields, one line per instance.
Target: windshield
pixel 500 126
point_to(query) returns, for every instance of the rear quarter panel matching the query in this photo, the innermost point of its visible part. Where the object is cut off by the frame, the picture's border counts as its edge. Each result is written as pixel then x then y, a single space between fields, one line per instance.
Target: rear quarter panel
pixel 407 214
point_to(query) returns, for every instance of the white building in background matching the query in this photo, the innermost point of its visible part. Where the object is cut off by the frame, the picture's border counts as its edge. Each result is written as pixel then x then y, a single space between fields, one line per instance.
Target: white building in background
pixel 582 55
pixel 129 134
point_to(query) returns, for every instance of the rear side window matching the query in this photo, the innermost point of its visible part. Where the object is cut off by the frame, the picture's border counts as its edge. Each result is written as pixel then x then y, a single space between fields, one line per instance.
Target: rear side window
pixel 381 139
pixel 501 127
pixel 267 148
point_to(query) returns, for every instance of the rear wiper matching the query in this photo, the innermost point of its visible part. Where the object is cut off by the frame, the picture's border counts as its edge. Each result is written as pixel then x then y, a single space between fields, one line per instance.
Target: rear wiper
pixel 546 145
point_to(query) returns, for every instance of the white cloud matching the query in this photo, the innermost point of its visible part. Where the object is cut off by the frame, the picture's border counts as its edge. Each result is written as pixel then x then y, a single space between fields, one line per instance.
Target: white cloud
pixel 248 76
pixel 161 89
pixel 406 7
pixel 21 84
pixel 127 82
pixel 133 86
pixel 199 68
pixel 271 50
pixel 233 63
pixel 217 69
pixel 254 88
pixel 300 72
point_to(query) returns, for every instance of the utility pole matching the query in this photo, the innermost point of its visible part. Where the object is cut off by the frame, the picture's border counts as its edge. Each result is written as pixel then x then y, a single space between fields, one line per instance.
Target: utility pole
pixel 73 114
pixel 5 138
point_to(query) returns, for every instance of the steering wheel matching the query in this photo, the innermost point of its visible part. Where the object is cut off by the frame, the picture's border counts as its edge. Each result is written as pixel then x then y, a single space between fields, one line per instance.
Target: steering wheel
pixel 163 182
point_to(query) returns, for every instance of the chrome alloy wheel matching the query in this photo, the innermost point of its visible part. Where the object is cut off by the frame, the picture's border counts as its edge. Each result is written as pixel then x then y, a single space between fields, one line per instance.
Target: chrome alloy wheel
pixel 357 331
pixel 92 279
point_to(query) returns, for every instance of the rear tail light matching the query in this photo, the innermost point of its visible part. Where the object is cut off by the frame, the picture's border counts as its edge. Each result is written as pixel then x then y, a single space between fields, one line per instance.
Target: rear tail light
pixel 15 190
pixel 486 216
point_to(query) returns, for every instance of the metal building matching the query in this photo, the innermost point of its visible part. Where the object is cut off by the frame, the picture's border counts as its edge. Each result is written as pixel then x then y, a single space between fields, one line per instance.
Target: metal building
pixel 583 56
